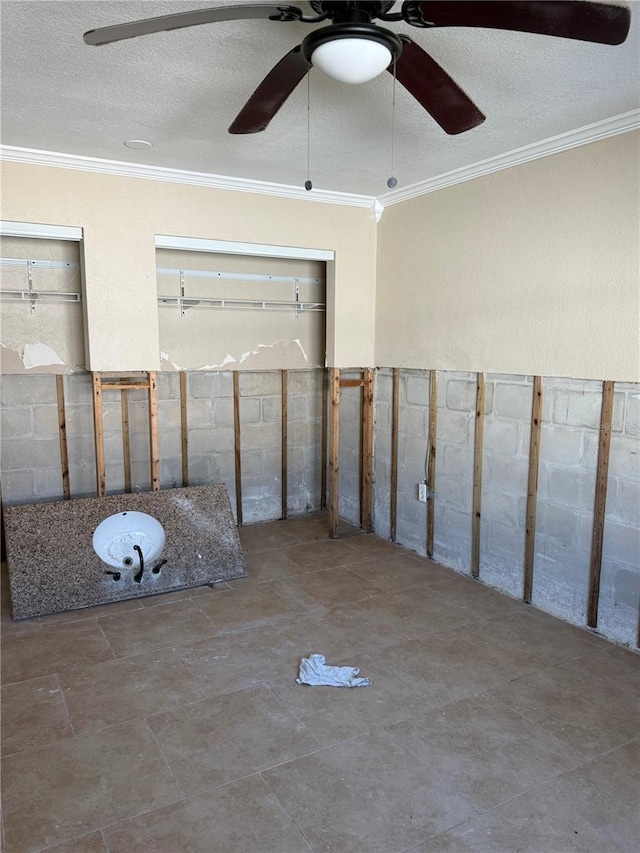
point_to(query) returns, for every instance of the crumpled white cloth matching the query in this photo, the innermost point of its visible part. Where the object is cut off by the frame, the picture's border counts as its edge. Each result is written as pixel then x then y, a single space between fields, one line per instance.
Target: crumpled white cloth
pixel 314 670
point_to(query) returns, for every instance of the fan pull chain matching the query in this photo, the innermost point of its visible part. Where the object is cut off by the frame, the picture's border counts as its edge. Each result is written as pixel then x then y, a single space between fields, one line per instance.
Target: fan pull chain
pixel 392 182
pixel 307 184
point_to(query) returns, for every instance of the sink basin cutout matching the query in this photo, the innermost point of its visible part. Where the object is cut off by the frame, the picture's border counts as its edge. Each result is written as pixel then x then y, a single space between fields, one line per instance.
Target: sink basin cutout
pixel 115 537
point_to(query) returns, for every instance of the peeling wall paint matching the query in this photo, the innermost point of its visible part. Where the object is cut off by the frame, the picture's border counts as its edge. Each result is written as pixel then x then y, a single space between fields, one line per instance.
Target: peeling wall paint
pixel 31 358
pixel 282 354
pixel 49 338
pixel 40 355
pixel 262 325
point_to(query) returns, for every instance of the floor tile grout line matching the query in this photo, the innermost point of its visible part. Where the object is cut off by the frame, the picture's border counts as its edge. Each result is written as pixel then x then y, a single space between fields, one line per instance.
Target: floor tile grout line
pixel 540 726
pixel 587 656
pixel 55 844
pixel 292 712
pixel 274 798
pixel 130 720
pixel 164 758
pixel 533 722
pixel 613 748
pixel 568 662
pixel 543 783
pixel 104 841
pixel 66 707
pixel 106 639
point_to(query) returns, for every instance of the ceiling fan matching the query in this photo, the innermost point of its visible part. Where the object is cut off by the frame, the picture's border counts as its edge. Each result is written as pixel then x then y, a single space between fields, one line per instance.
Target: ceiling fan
pixel 353 49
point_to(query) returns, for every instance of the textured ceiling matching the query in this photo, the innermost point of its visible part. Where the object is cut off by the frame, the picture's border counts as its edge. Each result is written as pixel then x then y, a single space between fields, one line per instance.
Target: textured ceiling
pixel 181 90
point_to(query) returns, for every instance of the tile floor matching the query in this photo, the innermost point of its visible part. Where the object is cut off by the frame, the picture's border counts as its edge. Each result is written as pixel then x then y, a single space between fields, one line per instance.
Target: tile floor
pixel 174 724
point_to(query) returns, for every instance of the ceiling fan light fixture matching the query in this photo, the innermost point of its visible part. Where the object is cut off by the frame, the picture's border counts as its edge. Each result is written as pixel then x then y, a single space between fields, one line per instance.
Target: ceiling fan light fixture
pixel 351 60
pixel 352 53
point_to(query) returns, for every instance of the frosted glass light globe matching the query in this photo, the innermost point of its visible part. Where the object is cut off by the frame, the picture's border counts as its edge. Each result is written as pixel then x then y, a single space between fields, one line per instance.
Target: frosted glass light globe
pixel 351 60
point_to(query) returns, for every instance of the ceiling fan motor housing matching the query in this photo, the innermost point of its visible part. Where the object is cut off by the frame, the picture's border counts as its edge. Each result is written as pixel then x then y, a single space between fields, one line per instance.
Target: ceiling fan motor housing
pixel 347 11
pixel 364 31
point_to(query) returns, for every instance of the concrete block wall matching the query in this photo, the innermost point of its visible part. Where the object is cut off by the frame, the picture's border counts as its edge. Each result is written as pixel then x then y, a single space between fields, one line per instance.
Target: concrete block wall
pixel 413 424
pixel 566 488
pixel 350 437
pixel 30 449
pixel 620 578
pixel 383 397
pixel 505 470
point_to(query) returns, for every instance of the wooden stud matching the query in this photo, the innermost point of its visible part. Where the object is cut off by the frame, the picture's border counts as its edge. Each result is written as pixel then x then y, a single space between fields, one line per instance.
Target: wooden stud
pixel 532 488
pixel 367 451
pixel 334 453
pixel 324 437
pixel 126 439
pixel 154 444
pixel 62 432
pixel 600 503
pixel 125 386
pixel 477 476
pixel 184 431
pixel 361 455
pixel 393 497
pixel 351 383
pixel 285 454
pixel 236 433
pixel 98 433
pixel 431 458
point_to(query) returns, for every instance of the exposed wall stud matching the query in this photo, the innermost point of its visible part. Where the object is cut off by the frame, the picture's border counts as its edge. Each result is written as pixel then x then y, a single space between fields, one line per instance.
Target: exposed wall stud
pixel 334 453
pixel 126 439
pixel 362 428
pixel 237 445
pixel 285 454
pixel 532 488
pixel 431 458
pixel 366 505
pixel 154 445
pixel 477 476
pixel 62 431
pixel 184 428
pixel 600 503
pixel 393 497
pixel 324 437
pixel 98 433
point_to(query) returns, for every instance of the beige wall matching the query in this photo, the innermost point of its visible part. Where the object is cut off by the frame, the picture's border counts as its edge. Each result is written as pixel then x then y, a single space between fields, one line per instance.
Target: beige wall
pixel 121 216
pixel 212 338
pixel 51 338
pixel 534 269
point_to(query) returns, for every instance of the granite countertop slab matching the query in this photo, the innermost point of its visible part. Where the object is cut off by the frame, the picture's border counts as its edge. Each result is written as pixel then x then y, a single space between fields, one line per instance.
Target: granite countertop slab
pixel 53 567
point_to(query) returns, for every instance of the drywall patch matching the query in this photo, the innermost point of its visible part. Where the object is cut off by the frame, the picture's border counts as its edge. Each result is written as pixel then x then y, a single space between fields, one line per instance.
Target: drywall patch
pixel 282 354
pixel 289 354
pixel 166 363
pixel 42 357
pixel 228 359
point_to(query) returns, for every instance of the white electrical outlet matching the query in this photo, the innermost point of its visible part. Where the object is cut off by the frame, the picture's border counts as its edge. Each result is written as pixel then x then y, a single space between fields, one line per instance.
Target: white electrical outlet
pixel 422 492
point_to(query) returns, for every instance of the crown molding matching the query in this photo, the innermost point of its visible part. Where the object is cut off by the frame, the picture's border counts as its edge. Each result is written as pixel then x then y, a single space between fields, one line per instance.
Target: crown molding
pixel 553 145
pixel 34 156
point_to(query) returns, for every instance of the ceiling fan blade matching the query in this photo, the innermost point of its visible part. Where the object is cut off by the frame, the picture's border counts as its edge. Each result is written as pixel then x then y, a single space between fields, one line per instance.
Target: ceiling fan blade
pixel 271 93
pixel 603 23
pixel 133 29
pixel 432 87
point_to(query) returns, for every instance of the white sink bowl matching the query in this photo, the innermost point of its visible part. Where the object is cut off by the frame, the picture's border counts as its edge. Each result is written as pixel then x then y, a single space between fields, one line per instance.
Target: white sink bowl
pixel 115 537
